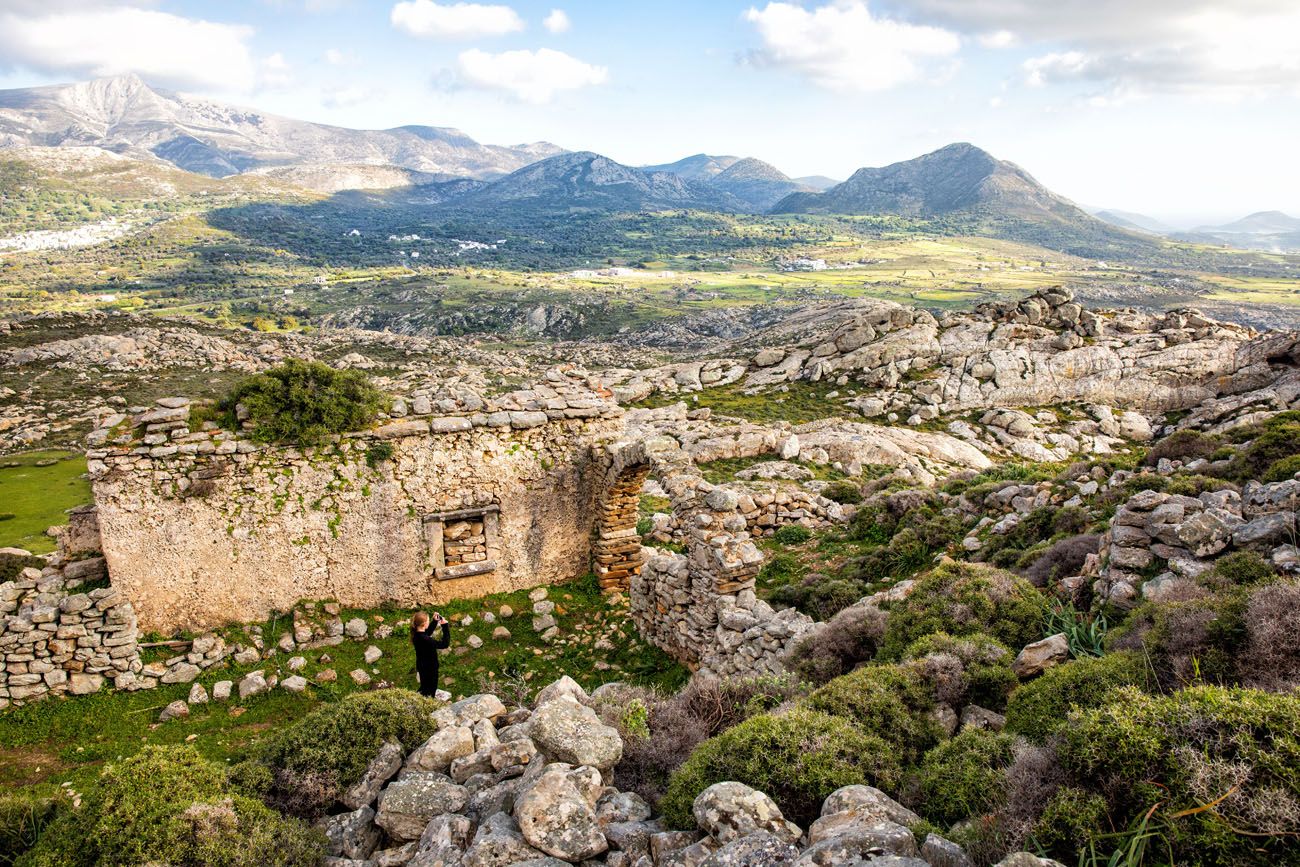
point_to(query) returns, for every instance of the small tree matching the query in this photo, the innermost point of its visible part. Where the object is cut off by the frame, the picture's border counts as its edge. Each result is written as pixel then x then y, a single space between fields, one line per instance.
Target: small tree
pixel 303 402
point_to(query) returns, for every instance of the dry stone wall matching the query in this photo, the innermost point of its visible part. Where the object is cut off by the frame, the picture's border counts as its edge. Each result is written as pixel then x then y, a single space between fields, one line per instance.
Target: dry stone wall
pixel 56 638
pixel 202 527
pixel 700 607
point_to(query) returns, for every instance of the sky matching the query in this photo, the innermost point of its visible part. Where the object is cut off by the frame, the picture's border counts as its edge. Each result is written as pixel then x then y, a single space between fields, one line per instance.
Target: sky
pixel 1185 110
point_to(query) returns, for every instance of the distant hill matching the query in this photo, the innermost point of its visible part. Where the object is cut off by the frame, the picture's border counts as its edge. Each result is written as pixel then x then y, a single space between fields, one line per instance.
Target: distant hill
pixel 696 168
pixel 125 115
pixel 1133 221
pixel 965 189
pixel 755 183
pixel 1271 231
pixel 817 182
pixel 589 181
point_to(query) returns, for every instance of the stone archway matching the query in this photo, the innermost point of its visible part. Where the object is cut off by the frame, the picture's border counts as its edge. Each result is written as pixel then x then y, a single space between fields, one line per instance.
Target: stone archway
pixel 616 554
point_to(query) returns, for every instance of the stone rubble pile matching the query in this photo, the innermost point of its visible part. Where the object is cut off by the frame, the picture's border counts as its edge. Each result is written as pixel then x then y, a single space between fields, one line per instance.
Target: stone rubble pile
pixel 1159 543
pixel 494 787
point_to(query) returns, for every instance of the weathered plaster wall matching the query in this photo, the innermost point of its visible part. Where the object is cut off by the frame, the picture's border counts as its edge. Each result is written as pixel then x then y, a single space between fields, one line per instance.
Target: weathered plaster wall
pixel 203 538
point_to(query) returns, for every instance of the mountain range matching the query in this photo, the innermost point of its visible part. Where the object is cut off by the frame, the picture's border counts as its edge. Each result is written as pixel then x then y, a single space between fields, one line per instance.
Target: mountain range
pixel 1270 231
pixel 124 115
pixel 958 189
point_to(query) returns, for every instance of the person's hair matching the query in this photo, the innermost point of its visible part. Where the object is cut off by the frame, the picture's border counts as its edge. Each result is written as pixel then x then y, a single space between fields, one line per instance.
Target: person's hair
pixel 419 620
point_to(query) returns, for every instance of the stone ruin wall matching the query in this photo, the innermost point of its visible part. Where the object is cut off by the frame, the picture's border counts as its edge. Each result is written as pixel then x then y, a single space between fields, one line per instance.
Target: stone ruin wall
pixel 207 529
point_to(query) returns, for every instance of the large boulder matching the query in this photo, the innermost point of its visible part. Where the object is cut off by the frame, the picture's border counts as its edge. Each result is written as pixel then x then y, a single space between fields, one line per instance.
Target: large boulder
pixel 380 770
pixel 407 805
pixel 729 811
pixel 439 751
pixel 571 732
pixel 555 816
pixel 1037 657
pixel 443 842
pixel 759 849
pixel 499 843
pixel 352 835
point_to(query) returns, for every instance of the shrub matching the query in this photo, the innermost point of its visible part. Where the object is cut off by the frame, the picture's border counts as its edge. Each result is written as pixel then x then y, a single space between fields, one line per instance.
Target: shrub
pixel 963 777
pixel 842 492
pixel 873 523
pixel 679 723
pixel 848 638
pixel 792 534
pixel 1271 659
pixel 12 565
pixel 1271 442
pixel 797 758
pixel 343 737
pixel 1072 821
pixel 821 596
pixel 23 816
pixel 1241 569
pixel 1039 708
pixel 1062 559
pixel 964 599
pixel 1222 764
pixel 1282 469
pixel 970 670
pixel 1183 445
pixel 378 452
pixel 167 805
pixel 1198 640
pixel 303 402
pixel 889 701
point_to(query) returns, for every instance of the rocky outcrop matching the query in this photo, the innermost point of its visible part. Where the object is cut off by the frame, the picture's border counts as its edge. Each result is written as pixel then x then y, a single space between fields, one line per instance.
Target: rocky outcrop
pixel 544 810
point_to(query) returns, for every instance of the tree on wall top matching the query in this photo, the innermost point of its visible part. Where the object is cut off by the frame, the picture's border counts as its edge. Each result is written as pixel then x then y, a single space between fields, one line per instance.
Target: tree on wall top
pixel 304 402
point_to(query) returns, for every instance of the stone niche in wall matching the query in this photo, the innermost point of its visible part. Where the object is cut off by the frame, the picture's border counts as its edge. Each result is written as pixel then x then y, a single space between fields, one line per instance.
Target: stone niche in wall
pixel 464 542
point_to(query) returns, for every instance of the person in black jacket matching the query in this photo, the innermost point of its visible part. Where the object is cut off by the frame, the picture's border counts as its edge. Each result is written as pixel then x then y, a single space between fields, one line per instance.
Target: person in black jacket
pixel 427 647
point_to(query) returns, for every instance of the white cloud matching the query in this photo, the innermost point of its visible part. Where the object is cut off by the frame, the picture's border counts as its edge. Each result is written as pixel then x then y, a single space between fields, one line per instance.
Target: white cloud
pixel 98 41
pixel 529 76
pixel 339 57
pixel 454 21
pixel 1242 47
pixel 842 46
pixel 275 73
pixel 557 22
pixel 347 96
pixel 997 39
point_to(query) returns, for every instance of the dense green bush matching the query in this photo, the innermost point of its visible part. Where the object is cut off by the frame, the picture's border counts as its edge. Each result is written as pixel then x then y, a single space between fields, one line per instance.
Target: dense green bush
pixel 792 534
pixel 1183 445
pixel 168 805
pixel 1267 448
pixel 304 402
pixel 981 674
pixel 820 596
pixel 341 738
pixel 798 758
pixel 1072 821
pixel 1241 569
pixel 1039 708
pixel 843 492
pixel 1222 764
pixel 965 599
pixel 891 701
pixel 23 816
pixel 964 777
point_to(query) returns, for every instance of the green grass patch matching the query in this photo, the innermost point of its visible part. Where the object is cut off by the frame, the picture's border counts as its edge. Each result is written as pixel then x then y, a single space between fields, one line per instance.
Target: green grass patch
pixel 38 488
pixel 796 402
pixel 59 740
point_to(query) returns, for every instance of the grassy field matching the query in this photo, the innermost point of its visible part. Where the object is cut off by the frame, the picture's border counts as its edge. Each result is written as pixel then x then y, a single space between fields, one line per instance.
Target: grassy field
pixel 36 489
pixel 798 402
pixel 68 740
